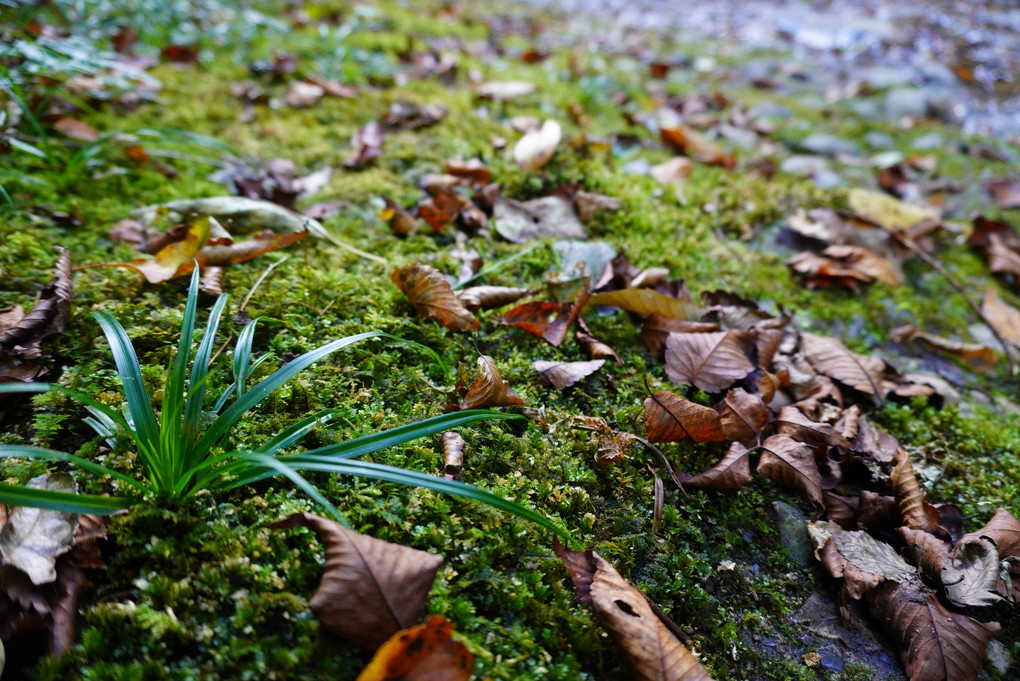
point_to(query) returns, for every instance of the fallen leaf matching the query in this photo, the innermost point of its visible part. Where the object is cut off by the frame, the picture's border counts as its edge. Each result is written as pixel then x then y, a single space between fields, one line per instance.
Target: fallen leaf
pixel 453 454
pixel 645 301
pixel 491 297
pixel 545 319
pixel 431 296
pixel 588 204
pixel 562 375
pixel 237 214
pixel 32 539
pixel 535 149
pixel 935 644
pixel 685 140
pixel 864 562
pixel 979 357
pixel 370 588
pixel 611 446
pixel 409 116
pixel 593 347
pixel 889 212
pixel 671 418
pixel 1002 316
pixel 473 171
pixel 443 206
pixel 658 326
pixel 710 361
pixel 366 145
pixel 425 652
pixel 792 422
pixel 1005 192
pixel 1003 530
pixel 791 463
pixel 400 221
pixel 971 577
pixel 489 390
pixel 22 337
pixel 844 265
pixel 301 94
pixel 503 90
pixel 731 473
pixel 75 129
pixel 909 495
pixel 653 651
pixel 742 415
pixel 521 221
pixel 830 357
pixel 672 171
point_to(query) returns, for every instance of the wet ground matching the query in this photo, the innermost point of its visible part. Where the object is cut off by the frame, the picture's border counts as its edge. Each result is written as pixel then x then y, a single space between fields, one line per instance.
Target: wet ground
pixel 958 60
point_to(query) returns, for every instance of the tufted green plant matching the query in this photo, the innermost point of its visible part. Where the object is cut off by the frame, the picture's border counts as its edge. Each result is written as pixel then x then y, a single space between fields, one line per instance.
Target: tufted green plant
pixel 181 455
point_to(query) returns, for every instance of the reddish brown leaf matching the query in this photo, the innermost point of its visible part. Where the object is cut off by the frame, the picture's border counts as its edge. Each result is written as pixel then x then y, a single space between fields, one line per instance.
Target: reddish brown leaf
pixel 909 495
pixel 562 375
pixel 710 361
pixel 431 296
pixel 265 241
pixel 687 141
pixel 935 644
pixel 489 390
pixel 670 418
pixel 658 326
pixel 791 463
pixel 442 207
pixel 593 347
pixel 472 170
pixel 545 319
pixel 366 145
pixel 731 473
pixel 370 588
pixel 793 423
pixel 844 265
pixel 421 653
pixel 611 447
pixel 654 652
pixel 742 415
pixel 979 357
pixel 830 357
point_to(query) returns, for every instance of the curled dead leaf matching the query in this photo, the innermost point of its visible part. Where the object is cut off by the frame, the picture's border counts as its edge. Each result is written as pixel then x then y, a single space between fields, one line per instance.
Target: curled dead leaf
pixel 490 297
pixel 545 319
pixel 370 588
pixel 453 454
pixel 562 375
pixel 536 148
pixel 742 415
pixel 791 463
pixel 792 422
pixel 830 357
pixel 431 296
pixel 611 447
pixel 909 495
pixel 697 146
pixel 489 390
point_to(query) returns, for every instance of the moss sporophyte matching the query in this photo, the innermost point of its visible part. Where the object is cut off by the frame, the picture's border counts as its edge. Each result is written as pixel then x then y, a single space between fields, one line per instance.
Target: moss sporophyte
pixel 181 454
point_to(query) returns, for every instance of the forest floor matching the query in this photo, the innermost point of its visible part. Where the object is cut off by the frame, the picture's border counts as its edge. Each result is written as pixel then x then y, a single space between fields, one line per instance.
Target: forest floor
pixel 819 187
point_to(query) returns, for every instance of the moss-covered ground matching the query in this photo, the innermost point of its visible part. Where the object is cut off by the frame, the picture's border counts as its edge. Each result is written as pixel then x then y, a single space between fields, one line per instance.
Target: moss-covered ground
pixel 206 591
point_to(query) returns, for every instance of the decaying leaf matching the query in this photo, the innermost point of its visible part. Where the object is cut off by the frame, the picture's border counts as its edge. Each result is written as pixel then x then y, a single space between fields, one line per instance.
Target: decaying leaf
pixel 32 539
pixel 654 652
pixel 536 148
pixel 742 415
pixel 971 577
pixel 979 357
pixel 75 129
pixel 645 301
pixel 425 652
pixel 490 297
pixel 671 418
pixel 21 335
pixel 611 447
pixel 862 562
pixel 489 390
pixel 1002 316
pixel 400 221
pixel 830 357
pixel 453 454
pixel 935 644
pixel 731 473
pixel 791 463
pixel 237 214
pixel 710 361
pixel 588 204
pixel 443 206
pixel 545 319
pixel 1005 192
pixel 889 212
pixel 592 346
pixel 562 375
pixel 370 588
pixel 1003 530
pixel 521 221
pixel 697 146
pixel 658 326
pixel 909 495
pixel 366 145
pixel 791 421
pixel 431 296
pixel 844 264
pixel 672 171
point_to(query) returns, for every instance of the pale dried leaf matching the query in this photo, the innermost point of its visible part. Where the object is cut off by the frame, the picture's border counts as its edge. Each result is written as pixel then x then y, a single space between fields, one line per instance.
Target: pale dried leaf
pixel 971 578
pixel 521 221
pixel 535 149
pixel 32 539
pixel 1002 316
pixel 562 375
pixel 370 588
pixel 889 212
pixel 646 301
pixel 453 454
pixel 1003 530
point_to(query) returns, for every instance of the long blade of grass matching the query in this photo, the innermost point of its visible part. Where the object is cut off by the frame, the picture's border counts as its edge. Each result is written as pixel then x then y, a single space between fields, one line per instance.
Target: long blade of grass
pixel 378 471
pixel 171 420
pixel 374 442
pixel 229 418
pixel 199 373
pixel 137 397
pixel 293 433
pixel 292 475
pixel 242 355
pixel 19 495
pixel 28 452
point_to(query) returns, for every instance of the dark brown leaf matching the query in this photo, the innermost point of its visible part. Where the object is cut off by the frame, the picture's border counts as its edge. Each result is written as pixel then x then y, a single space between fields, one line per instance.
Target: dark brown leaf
pixel 791 463
pixel 731 473
pixel 370 588
pixel 830 357
pixel 545 319
pixel 443 206
pixel 670 418
pixel 1003 530
pixel 401 222
pixel 431 296
pixel 799 427
pixel 658 326
pixel 489 390
pixel 710 361
pixel 48 317
pixel 742 415
pixel 593 347
pixel 490 297
pixel 562 375
pixel 611 447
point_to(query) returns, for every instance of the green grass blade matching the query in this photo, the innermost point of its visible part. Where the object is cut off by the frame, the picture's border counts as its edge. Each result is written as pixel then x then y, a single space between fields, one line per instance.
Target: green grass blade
pixel 242 355
pixel 199 373
pixel 19 495
pixel 136 396
pixel 292 475
pixel 293 433
pixel 229 418
pixel 378 471
pixel 171 421
pixel 27 452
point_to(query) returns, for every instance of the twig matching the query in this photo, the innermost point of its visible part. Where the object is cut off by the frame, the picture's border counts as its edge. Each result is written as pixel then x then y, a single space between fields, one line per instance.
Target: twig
pixel 937 266
pixel 258 282
pixel 357 251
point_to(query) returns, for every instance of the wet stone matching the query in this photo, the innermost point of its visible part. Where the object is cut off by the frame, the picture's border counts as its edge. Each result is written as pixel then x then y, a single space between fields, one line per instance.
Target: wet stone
pixel 793 533
pixel 829 145
pixel 906 102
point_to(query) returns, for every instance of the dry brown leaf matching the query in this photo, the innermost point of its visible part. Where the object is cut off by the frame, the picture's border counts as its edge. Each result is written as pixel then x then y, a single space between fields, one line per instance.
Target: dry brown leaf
pixel 425 652
pixel 731 473
pixel 742 415
pixel 930 553
pixel 935 644
pixel 697 146
pixel 830 357
pixel 710 361
pixel 654 652
pixel 1003 530
pixel 791 463
pixel 1002 259
pixel 366 145
pixel 400 221
pixel 75 129
pixel 1005 192
pixel 431 296
pixel 658 326
pixel 536 148
pixel 588 204
pixel 593 347
pixel 473 171
pixel 545 319
pixel 489 390
pixel 453 454
pixel 909 495
pixel 645 301
pixel 799 427
pixel 611 446
pixel 1002 316
pixel 521 221
pixel 562 375
pixel 21 335
pixel 670 418
pixel 370 588
pixel 490 297
pixel 979 357
pixel 845 264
